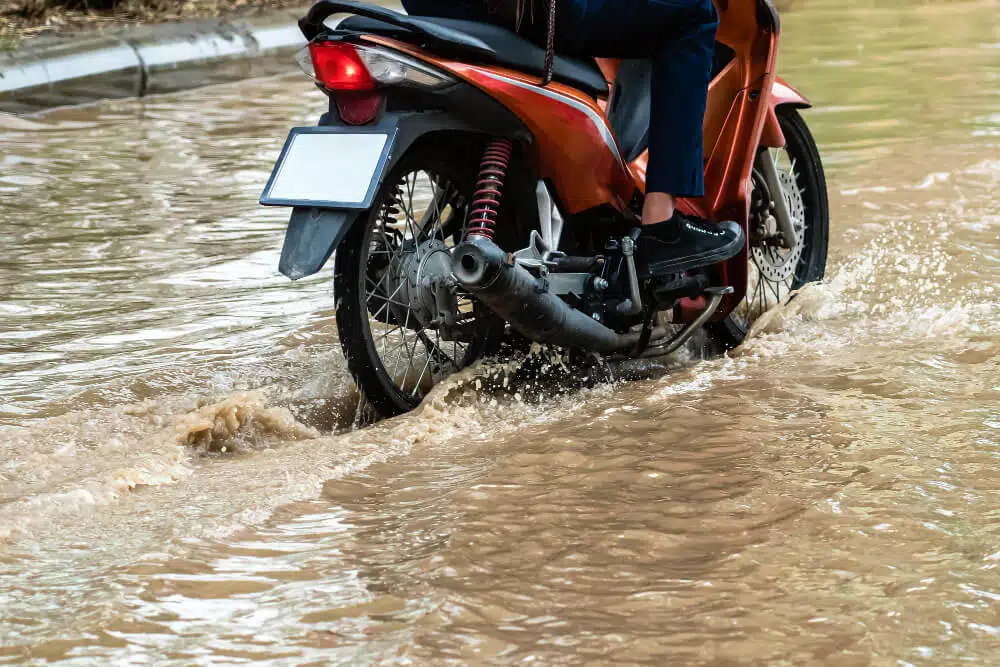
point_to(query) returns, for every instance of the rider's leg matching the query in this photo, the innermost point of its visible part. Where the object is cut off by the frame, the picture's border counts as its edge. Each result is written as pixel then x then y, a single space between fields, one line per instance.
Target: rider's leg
pixel 680 37
pixel 682 69
pixel 678 34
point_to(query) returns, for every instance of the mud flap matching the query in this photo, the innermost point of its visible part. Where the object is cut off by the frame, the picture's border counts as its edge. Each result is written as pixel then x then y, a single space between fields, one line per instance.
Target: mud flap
pixel 312 236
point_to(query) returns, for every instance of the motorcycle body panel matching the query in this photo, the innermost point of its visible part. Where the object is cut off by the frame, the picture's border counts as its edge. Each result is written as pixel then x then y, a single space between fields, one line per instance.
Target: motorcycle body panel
pixel 570 144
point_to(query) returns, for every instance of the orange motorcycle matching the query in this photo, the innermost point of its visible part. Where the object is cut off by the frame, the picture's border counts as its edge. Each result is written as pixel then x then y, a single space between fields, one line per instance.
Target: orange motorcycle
pixel 469 202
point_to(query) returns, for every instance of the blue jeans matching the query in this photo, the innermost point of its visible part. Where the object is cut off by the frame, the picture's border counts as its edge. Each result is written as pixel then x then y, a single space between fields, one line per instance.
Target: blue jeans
pixel 679 36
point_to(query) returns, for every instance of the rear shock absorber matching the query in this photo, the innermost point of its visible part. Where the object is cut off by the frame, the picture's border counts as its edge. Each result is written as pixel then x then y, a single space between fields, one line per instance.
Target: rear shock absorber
pixel 489 188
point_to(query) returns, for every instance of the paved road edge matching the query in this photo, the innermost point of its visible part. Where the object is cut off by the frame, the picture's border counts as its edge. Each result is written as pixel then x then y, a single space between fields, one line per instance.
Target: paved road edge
pixel 145 60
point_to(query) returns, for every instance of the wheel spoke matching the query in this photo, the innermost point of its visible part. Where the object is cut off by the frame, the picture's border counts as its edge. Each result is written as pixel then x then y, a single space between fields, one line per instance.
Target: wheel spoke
pixel 761 297
pixel 385 342
pixel 434 348
pixel 772 285
pixel 388 300
pixel 434 210
pixel 420 378
pixel 406 348
pixel 420 207
pixel 411 183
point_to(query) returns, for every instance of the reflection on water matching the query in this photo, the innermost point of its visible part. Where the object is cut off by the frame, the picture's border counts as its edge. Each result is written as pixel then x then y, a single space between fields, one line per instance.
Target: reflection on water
pixel 134 248
pixel 179 482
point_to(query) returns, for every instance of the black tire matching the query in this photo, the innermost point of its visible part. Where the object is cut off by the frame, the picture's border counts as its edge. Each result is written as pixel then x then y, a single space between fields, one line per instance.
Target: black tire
pixel 811 266
pixel 359 317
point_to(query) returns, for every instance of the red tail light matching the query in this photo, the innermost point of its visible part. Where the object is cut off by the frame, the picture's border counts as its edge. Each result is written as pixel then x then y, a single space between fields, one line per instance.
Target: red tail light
pixel 358 108
pixel 339 67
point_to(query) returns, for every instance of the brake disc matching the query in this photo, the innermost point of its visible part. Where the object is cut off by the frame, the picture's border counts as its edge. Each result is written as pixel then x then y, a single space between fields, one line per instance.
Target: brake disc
pixel 775 263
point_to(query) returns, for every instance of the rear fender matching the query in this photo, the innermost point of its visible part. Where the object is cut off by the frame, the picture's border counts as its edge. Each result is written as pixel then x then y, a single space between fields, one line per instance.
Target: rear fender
pixel 312 236
pixel 782 94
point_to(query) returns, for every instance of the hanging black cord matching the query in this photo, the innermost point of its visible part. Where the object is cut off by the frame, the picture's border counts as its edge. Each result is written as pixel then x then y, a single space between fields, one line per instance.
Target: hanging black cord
pixel 550 44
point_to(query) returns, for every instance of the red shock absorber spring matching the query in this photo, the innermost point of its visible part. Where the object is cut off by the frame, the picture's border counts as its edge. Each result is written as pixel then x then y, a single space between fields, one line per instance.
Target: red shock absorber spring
pixel 489 188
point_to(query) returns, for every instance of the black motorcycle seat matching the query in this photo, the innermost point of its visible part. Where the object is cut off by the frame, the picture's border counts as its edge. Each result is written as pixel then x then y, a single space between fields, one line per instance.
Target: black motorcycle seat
pixel 512 50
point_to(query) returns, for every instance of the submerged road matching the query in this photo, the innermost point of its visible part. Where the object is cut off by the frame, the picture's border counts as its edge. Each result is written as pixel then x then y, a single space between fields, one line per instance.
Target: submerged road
pixel 182 480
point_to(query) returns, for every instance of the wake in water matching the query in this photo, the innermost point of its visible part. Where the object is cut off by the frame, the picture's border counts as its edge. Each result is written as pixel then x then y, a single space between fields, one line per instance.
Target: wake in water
pixel 64 467
pixel 67 465
pixel 896 286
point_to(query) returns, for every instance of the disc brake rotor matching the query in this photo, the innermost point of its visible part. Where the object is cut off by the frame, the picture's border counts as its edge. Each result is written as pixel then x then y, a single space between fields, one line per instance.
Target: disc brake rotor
pixel 775 263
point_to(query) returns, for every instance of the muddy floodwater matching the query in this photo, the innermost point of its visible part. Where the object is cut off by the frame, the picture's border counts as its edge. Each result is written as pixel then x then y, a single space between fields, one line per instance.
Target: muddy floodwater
pixel 183 479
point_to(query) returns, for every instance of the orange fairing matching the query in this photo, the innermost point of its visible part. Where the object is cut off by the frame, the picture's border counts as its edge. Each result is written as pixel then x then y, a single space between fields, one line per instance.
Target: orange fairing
pixel 574 146
pixel 781 95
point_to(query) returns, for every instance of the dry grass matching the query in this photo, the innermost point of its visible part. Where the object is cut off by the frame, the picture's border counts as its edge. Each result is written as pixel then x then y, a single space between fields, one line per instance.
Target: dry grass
pixel 24 19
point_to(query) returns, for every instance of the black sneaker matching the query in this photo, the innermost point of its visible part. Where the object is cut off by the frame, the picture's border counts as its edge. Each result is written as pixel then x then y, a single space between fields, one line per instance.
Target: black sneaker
pixel 685 242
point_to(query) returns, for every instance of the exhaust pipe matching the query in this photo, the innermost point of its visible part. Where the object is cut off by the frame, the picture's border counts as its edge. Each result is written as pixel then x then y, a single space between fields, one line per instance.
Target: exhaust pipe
pixel 511 292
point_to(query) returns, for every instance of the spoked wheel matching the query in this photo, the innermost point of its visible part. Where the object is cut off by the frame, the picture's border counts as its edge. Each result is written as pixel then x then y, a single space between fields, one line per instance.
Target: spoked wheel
pixel 404 326
pixel 775 272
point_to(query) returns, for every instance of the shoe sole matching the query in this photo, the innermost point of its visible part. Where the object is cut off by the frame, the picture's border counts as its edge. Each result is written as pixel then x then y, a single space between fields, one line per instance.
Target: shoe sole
pixel 667 267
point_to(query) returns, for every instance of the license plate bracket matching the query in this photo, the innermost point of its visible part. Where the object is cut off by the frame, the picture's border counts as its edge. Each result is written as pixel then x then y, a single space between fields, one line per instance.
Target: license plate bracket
pixel 330 167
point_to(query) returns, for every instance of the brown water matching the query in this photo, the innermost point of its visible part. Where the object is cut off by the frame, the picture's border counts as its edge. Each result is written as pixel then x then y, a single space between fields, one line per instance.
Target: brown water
pixel 180 482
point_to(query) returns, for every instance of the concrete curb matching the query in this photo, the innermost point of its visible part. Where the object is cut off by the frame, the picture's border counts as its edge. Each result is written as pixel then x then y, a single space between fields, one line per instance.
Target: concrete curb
pixel 144 60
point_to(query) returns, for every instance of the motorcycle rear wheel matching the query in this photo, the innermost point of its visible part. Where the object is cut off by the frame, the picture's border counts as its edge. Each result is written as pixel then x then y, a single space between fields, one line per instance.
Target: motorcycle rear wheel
pixel 775 274
pixel 394 354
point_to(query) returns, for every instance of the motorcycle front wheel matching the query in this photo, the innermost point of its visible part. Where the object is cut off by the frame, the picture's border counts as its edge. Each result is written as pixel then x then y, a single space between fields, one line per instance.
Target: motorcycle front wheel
pixel 775 273
pixel 403 325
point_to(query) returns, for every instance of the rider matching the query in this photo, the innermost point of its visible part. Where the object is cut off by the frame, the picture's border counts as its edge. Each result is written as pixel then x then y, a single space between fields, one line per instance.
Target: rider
pixel 679 35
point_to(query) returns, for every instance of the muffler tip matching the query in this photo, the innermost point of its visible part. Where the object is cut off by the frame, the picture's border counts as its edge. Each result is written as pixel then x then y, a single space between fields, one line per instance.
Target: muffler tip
pixel 472 265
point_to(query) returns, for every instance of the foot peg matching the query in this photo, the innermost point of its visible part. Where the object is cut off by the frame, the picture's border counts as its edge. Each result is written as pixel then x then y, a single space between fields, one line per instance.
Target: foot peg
pixel 715 296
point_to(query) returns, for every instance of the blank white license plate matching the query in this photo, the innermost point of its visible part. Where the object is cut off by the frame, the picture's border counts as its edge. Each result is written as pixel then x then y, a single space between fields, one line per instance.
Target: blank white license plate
pixel 322 168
